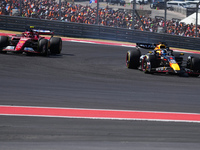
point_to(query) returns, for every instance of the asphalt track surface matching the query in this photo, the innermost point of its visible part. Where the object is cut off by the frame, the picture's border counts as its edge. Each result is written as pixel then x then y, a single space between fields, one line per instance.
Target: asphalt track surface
pixel 93 76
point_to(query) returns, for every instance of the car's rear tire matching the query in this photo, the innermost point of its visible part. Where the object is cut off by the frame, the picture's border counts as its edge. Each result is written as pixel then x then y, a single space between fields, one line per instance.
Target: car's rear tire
pixel 4 41
pixel 43 47
pixel 194 64
pixel 133 59
pixel 55 45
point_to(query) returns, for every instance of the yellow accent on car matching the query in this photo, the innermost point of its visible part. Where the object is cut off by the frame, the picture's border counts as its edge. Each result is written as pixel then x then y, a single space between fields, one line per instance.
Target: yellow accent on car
pixel 129 56
pixel 160 46
pixel 128 60
pixel 175 66
pixel 22 41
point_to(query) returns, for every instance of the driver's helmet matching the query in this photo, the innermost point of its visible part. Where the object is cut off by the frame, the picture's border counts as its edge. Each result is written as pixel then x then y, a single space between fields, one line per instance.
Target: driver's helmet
pixel 160 46
pixel 24 34
pixel 163 52
pixel 31 33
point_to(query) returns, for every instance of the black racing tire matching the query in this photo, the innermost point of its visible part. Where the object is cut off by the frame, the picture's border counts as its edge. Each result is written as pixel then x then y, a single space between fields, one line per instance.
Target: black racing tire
pixel 43 47
pixel 195 63
pixel 152 59
pixel 4 41
pixel 133 59
pixel 55 45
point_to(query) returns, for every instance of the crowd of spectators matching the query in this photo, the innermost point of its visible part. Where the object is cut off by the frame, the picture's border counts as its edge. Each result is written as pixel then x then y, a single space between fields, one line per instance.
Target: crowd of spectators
pixel 49 9
pixel 173 27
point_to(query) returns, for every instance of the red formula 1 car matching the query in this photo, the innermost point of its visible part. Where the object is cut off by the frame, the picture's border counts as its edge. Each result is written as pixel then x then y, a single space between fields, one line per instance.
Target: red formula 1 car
pixel 30 41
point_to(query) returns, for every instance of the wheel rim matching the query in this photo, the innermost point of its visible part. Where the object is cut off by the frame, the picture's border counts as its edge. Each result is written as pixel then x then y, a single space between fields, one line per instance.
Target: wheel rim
pixel 45 49
pixel 127 60
pixel 60 46
pixel 144 65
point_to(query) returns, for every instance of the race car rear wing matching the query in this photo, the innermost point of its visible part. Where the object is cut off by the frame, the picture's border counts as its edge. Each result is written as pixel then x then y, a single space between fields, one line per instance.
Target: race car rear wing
pixel 43 32
pixel 146 45
pixel 39 31
pixel 151 45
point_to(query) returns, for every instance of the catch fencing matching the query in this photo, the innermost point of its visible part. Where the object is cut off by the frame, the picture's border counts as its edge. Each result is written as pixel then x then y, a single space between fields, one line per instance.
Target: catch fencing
pixel 70 29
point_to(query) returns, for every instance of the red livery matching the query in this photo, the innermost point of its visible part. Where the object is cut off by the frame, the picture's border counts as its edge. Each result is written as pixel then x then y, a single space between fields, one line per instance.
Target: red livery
pixel 30 41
